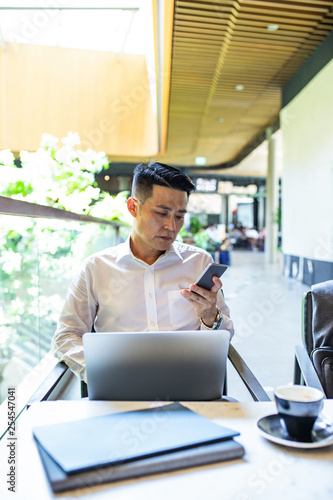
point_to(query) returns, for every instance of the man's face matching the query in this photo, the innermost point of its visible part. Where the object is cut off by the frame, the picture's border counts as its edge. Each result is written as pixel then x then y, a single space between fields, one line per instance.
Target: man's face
pixel 159 220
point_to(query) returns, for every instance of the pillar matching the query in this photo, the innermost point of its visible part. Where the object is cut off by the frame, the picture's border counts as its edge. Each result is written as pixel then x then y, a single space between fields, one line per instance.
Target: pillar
pixel 272 199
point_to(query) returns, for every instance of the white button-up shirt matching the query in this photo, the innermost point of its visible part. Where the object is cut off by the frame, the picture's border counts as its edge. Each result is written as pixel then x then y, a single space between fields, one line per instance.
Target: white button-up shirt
pixel 115 291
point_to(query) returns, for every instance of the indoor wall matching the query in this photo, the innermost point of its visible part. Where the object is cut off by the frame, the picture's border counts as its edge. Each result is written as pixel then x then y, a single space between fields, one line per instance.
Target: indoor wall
pixel 307 195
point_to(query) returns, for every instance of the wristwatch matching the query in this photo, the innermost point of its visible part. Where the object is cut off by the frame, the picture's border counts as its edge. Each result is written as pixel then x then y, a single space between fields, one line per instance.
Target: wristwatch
pixel 217 321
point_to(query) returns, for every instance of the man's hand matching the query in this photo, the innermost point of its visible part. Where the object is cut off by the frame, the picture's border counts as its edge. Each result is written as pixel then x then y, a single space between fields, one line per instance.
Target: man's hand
pixel 204 301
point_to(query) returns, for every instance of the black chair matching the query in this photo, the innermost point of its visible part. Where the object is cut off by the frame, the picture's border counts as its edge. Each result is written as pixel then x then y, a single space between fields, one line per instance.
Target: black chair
pixel 314 358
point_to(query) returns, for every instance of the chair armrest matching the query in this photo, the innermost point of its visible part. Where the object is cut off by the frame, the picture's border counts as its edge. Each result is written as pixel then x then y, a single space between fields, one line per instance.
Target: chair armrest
pixel 250 381
pixel 49 384
pixel 305 368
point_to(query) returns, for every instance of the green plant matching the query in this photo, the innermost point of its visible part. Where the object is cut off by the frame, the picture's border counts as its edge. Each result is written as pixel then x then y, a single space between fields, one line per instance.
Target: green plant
pixel 202 240
pixel 195 225
pixel 184 233
pixel 37 256
pixel 58 175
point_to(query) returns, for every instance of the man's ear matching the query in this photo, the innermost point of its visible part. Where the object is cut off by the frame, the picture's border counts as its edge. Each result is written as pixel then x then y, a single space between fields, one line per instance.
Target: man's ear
pixel 132 206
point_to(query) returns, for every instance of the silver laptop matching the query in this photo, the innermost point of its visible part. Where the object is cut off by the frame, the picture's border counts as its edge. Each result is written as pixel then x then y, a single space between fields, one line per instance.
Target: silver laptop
pixel 149 366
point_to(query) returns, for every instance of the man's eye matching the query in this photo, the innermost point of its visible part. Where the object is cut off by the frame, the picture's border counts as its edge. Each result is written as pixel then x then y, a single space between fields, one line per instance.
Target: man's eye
pixel 162 214
pixel 180 217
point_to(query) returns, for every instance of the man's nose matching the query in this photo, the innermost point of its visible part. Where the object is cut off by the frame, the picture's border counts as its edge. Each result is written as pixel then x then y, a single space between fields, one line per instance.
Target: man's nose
pixel 170 223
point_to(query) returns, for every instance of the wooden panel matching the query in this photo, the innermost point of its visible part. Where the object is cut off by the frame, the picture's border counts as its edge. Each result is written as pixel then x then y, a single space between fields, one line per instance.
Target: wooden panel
pixel 55 90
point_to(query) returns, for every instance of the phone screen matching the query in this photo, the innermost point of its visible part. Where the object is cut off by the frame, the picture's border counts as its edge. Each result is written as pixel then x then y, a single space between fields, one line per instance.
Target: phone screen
pixel 205 280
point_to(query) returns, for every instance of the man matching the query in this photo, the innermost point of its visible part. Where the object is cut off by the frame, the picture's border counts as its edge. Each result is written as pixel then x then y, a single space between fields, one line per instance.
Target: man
pixel 214 234
pixel 145 283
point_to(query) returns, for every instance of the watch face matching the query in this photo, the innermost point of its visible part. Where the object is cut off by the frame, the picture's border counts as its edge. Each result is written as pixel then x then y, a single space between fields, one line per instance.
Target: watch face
pixel 218 320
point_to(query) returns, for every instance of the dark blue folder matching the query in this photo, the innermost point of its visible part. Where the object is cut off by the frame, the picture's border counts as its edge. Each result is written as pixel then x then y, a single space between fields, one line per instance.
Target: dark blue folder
pixel 131 444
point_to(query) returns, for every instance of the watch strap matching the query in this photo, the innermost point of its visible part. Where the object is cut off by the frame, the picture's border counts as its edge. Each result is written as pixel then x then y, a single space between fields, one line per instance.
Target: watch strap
pixel 217 321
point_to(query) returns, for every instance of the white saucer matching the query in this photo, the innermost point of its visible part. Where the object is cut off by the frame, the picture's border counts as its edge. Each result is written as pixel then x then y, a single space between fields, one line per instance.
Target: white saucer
pixel 272 428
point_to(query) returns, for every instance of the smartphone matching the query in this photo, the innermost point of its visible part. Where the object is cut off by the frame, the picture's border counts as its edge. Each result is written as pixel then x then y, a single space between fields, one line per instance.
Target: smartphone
pixel 205 280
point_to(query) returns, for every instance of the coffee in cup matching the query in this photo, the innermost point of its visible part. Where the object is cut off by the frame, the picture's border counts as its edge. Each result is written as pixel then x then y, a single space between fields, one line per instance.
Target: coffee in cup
pixel 298 407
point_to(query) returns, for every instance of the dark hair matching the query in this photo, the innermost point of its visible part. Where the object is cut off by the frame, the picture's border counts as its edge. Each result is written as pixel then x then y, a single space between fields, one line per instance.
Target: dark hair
pixel 146 176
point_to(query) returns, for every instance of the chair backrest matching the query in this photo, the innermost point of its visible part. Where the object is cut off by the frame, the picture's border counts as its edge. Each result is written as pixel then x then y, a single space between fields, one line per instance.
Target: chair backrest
pixel 322 359
pixel 322 317
pixel 307 337
pixel 317 331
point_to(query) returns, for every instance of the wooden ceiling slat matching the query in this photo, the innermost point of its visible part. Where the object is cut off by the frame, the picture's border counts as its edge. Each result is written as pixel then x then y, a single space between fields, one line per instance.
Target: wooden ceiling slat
pixel 210 6
pixel 245 30
pixel 193 45
pixel 319 8
pixel 201 15
pixel 198 17
pixel 215 34
pixel 200 24
pixel 254 37
pixel 248 15
pixel 270 17
pixel 200 53
pixel 190 36
pixel 300 30
pixel 298 25
pixel 279 17
pixel 256 47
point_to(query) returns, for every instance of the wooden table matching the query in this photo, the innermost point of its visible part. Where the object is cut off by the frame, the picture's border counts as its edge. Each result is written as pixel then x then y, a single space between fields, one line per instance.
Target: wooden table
pixel 267 471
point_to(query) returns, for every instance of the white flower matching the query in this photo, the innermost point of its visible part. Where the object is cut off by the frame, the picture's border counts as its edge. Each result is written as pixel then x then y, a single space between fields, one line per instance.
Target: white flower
pixel 71 140
pixel 49 141
pixel 11 261
pixel 110 207
pixel 6 157
pixel 21 225
pixel 9 174
pixel 92 192
pixel 92 161
pixel 17 306
pixel 65 155
pixel 39 161
pixel 78 202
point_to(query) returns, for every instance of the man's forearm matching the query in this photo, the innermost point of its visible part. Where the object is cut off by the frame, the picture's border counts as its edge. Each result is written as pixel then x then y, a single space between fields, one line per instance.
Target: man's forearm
pixel 68 347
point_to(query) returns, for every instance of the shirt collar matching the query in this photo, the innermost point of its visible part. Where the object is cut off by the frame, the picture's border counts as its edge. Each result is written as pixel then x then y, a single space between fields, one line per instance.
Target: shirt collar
pixel 124 250
pixel 175 249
